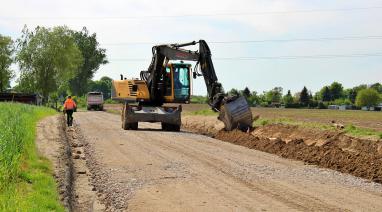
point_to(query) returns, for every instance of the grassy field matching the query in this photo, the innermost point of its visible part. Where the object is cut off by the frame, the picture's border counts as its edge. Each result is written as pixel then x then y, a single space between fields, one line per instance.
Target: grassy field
pixel 26 181
pixel 357 123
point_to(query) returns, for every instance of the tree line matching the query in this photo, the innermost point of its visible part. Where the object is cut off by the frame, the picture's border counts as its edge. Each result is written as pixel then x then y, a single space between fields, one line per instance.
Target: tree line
pixel 333 94
pixel 53 61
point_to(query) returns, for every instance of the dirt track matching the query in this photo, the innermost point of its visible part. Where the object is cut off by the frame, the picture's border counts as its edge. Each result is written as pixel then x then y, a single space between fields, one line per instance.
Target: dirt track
pixel 151 170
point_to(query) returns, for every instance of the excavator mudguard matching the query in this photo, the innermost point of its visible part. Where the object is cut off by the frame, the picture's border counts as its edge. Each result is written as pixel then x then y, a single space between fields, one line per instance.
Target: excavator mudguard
pixel 235 113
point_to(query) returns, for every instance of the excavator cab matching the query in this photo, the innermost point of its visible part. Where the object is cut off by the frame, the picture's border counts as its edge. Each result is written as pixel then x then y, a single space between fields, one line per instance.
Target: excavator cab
pixel 177 80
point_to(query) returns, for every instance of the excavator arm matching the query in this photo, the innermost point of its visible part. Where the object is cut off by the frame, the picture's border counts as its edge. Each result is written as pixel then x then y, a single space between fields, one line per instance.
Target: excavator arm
pixel 234 111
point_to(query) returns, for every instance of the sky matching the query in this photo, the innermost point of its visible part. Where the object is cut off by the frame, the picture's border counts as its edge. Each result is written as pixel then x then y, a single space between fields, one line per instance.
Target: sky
pixel 293 43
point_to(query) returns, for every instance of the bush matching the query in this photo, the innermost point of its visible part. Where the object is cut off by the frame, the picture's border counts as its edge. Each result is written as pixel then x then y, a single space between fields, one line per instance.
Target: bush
pixel 322 105
pixel 367 97
pixel 199 99
pixel 80 101
pixel 293 105
pixel 110 101
pixel 313 104
pixel 264 104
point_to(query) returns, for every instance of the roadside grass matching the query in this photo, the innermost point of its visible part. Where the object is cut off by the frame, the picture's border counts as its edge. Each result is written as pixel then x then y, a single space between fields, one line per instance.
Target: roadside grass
pixel 357 131
pixel 110 101
pixel 118 112
pixel 204 112
pixel 26 181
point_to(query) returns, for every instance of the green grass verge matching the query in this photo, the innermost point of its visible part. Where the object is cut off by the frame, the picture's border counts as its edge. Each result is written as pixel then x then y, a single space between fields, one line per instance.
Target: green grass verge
pixel 26 181
pixel 205 112
pixel 360 132
pixel 118 112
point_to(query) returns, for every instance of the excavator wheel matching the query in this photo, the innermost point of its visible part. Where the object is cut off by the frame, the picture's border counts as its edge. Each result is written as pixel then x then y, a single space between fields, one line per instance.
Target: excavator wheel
pixel 125 124
pixel 170 127
pixel 134 126
pixel 175 128
pixel 130 126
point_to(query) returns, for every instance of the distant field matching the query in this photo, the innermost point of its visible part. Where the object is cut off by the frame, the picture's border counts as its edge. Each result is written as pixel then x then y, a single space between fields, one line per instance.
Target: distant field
pixel 364 119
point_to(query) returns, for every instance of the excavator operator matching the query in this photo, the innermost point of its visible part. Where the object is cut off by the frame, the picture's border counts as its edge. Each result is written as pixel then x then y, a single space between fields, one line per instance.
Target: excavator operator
pixel 69 107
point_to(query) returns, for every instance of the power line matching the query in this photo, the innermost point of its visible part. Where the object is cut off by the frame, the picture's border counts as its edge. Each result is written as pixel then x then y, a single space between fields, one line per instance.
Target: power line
pixel 294 57
pixel 372 37
pixel 213 14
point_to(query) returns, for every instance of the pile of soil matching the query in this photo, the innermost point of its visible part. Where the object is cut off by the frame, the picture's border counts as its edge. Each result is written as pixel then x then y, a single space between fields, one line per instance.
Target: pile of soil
pixel 328 149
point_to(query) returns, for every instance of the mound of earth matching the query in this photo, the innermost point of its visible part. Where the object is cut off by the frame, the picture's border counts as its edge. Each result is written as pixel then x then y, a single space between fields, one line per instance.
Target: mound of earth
pixel 329 149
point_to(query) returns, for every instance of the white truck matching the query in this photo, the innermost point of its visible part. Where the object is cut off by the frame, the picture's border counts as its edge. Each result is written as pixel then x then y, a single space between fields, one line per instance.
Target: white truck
pixel 94 101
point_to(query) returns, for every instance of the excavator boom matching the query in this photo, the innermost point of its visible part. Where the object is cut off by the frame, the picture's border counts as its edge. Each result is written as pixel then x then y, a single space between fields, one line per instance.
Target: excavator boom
pixel 233 111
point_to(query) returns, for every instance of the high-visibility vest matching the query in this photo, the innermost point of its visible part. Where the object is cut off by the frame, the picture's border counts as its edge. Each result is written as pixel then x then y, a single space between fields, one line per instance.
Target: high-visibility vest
pixel 69 104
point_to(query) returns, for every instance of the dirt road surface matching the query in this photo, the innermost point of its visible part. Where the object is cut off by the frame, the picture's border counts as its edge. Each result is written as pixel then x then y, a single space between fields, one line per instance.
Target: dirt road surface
pixel 152 170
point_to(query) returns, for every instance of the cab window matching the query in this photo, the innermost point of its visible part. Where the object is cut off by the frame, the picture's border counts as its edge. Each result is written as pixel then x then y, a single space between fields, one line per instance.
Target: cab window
pixel 181 83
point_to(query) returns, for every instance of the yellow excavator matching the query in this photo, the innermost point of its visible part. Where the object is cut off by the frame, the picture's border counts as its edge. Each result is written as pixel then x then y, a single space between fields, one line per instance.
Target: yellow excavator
pixel 165 81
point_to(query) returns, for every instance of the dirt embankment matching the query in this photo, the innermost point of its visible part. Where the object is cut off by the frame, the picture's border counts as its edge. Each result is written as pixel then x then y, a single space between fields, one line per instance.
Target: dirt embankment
pixel 329 149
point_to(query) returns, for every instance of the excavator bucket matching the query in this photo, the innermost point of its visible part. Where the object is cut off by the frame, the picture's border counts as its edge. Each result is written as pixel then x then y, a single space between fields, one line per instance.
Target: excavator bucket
pixel 236 114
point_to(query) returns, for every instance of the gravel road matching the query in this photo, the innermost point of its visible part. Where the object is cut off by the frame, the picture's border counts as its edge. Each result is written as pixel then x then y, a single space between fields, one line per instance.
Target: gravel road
pixel 151 170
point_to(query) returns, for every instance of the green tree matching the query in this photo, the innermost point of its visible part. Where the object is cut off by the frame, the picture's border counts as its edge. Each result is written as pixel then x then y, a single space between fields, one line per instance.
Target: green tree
pixel 325 94
pixel 377 86
pixel 367 97
pixel 93 57
pixel 304 97
pixel 103 85
pixel 274 95
pixel 47 58
pixel 288 98
pixel 246 92
pixel 6 51
pixel 233 92
pixel 253 99
pixel 352 93
pixel 336 90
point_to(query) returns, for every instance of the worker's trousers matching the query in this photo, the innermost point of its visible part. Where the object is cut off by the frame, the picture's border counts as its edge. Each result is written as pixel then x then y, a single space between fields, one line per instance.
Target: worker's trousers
pixel 69 114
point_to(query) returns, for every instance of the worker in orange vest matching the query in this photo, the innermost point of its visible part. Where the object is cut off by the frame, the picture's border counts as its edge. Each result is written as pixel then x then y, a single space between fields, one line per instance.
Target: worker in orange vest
pixel 69 107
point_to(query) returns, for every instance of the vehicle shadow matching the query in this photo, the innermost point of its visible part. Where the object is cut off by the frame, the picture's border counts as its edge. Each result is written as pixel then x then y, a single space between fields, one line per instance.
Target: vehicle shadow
pixel 182 131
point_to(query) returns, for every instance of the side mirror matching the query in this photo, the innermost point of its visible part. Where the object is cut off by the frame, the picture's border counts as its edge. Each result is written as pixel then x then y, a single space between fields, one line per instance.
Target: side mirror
pixel 194 75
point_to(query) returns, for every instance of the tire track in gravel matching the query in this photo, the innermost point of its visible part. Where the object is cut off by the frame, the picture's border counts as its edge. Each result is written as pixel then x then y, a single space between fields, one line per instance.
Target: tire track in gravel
pixel 152 170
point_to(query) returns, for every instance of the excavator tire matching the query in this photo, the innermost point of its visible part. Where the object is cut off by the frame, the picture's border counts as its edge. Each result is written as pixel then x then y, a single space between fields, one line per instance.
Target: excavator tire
pixel 170 127
pixel 130 126
pixel 134 126
pixel 123 119
pixel 126 125
pixel 175 128
pixel 165 126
